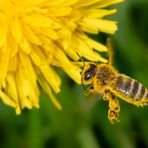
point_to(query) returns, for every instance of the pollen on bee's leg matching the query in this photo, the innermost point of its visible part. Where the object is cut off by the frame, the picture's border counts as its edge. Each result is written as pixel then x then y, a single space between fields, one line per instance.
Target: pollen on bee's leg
pixel 89 90
pixel 114 105
pixel 105 96
pixel 113 116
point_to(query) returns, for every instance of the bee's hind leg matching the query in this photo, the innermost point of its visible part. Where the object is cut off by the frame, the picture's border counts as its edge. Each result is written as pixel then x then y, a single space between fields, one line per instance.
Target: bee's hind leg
pixel 114 107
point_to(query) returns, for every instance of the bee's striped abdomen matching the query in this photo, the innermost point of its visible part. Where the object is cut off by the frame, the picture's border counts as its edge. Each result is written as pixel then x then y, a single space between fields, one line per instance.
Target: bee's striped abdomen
pixel 123 84
pixel 131 88
pixel 145 96
pixel 133 93
pixel 141 92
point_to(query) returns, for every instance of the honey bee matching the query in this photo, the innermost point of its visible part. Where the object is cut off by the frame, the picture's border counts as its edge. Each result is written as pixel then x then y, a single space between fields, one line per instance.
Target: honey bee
pixel 105 79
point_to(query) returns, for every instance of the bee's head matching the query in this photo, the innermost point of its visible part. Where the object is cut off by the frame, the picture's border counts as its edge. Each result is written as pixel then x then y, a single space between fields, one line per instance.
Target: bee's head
pixel 88 73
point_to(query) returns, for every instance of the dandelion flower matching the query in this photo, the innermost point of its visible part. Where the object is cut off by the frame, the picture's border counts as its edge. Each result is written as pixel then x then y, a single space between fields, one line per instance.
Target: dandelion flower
pixel 38 35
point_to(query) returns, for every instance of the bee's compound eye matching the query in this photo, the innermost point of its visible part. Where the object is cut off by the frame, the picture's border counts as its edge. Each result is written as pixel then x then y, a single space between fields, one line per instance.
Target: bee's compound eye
pixel 88 75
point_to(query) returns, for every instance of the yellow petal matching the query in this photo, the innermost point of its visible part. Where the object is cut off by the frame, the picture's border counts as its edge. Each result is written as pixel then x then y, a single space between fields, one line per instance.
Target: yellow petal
pixel 3 34
pixel 16 30
pixel 39 57
pixel 47 46
pixel 11 87
pixel 31 94
pixel 47 89
pixel 4 61
pixel 46 70
pixel 83 3
pixel 25 45
pixel 56 2
pixel 92 43
pixel 12 91
pixel 84 50
pixel 13 62
pixel 20 81
pixel 28 69
pixel 31 35
pixel 27 92
pixel 62 2
pixel 66 38
pixel 70 2
pixel 6 99
pixel 38 21
pixel 36 59
pixel 71 52
pixel 99 13
pixel 72 70
pixel 63 11
pixel 89 29
pixel 105 3
pixel 100 24
pixel 13 45
pixel 50 33
pixel 27 3
pixel 51 77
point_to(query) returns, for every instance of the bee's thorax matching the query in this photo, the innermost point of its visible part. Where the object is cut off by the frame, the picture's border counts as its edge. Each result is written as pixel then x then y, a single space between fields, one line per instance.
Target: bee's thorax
pixel 105 74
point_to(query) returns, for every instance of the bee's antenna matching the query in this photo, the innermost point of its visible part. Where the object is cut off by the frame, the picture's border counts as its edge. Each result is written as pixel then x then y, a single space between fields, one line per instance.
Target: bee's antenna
pixel 81 59
pixel 83 68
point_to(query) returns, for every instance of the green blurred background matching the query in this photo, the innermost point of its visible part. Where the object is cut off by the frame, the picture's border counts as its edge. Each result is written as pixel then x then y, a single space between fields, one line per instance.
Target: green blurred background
pixel 83 122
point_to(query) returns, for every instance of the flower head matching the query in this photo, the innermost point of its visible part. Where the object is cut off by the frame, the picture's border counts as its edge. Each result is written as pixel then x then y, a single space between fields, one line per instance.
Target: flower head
pixel 37 35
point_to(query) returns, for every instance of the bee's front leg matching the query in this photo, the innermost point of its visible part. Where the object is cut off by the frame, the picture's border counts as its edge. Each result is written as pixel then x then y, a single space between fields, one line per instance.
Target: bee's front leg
pixel 89 90
pixel 114 107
